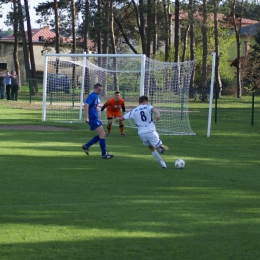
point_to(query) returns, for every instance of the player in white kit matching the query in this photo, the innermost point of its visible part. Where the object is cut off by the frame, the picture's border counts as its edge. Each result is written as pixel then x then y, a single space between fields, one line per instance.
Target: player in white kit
pixel 142 115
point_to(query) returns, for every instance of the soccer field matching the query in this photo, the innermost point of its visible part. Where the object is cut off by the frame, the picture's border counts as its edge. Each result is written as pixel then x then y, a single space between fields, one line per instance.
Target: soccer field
pixel 58 203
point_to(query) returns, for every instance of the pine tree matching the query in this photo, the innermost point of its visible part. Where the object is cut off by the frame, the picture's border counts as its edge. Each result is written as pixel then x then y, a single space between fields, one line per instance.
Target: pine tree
pixel 251 67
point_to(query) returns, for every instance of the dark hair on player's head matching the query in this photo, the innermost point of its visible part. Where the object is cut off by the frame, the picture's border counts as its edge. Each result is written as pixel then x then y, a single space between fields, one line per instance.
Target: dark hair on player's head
pixel 142 99
pixel 117 92
pixel 97 85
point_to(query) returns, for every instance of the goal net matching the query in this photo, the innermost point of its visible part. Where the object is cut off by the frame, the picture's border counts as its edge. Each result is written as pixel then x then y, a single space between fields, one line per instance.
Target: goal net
pixel 69 78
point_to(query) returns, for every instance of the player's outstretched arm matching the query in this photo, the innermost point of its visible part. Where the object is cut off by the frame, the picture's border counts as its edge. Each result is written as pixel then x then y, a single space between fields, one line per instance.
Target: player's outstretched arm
pixel 123 107
pixel 120 118
pixel 106 105
pixel 86 112
pixel 103 107
pixel 157 113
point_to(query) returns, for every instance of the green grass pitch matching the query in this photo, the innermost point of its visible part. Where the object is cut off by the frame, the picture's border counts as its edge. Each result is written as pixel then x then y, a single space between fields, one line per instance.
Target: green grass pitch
pixel 58 203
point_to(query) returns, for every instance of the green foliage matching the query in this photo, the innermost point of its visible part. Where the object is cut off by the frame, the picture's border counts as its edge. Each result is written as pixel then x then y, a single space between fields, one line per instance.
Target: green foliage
pixel 225 40
pixel 160 55
pixel 45 11
pixel 9 32
pixel 249 88
pixel 251 10
pixel 256 46
pixel 251 67
pixel 49 45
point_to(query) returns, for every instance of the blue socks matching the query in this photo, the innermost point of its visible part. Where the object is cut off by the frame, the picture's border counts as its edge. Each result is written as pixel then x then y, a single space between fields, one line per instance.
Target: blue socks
pixel 102 143
pixel 94 140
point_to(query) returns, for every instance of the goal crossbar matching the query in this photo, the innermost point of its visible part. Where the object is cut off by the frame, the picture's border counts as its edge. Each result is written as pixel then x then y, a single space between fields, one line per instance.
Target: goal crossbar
pixel 69 78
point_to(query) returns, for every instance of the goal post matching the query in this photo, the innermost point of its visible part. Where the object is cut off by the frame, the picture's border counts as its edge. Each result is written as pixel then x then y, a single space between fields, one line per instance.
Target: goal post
pixel 56 92
pixel 82 88
pixel 69 78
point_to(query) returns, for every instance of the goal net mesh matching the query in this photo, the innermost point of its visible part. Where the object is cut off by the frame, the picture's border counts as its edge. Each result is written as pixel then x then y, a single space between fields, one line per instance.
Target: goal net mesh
pixel 69 79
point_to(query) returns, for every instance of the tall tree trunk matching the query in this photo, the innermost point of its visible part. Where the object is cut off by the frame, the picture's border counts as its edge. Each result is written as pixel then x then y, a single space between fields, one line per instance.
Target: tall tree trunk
pixel 185 40
pixel 113 42
pixel 86 28
pixel 154 21
pixel 142 26
pixel 57 34
pixel 25 49
pixel 237 29
pixel 192 43
pixel 98 25
pixel 16 42
pixel 73 16
pixel 74 47
pixel 105 27
pixel 33 85
pixel 105 37
pixel 205 48
pixel 112 29
pixel 149 28
pixel 217 75
pixel 176 31
pixel 127 41
pixel 85 47
pixel 169 23
pixel 166 31
pixel 57 30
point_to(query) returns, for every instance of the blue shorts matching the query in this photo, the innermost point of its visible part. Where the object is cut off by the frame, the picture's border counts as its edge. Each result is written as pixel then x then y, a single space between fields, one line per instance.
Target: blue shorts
pixel 94 124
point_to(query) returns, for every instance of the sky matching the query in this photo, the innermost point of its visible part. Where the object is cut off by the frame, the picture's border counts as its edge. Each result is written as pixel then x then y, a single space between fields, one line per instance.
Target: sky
pixel 7 8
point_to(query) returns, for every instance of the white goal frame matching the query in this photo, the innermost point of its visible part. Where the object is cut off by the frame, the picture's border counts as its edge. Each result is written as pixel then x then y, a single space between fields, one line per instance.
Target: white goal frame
pixel 84 56
pixel 153 77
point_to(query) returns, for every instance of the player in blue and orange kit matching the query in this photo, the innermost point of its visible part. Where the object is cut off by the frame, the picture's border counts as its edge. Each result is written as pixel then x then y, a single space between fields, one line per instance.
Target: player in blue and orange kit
pixel 91 106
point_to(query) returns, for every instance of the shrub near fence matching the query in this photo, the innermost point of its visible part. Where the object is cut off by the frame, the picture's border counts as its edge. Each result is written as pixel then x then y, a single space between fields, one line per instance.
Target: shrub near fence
pixel 240 110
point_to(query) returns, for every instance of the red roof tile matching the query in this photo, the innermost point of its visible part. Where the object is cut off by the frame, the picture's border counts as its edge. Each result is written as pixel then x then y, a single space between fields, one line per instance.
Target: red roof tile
pixel 221 17
pixel 45 33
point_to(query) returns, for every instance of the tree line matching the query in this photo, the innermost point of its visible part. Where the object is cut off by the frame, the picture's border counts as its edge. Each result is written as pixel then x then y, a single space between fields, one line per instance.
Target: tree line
pixel 164 30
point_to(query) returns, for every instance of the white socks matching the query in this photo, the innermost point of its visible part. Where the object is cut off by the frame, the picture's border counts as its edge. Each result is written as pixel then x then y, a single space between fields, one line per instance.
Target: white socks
pixel 158 158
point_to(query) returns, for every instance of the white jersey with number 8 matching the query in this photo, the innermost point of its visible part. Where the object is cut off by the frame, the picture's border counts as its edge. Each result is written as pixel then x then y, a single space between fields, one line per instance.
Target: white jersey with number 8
pixel 142 115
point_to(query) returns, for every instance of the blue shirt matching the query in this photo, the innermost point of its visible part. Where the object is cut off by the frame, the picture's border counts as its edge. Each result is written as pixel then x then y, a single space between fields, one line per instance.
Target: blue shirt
pixel 7 80
pixel 93 102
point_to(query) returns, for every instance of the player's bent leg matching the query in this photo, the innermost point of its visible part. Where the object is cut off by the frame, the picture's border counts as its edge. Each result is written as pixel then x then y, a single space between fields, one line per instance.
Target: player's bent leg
pixel 100 131
pixel 147 141
pixel 102 143
pixel 152 149
pixel 86 146
pixel 85 149
pixel 159 159
pixel 156 142
pixel 163 165
pixel 109 125
pixel 163 148
pixel 121 128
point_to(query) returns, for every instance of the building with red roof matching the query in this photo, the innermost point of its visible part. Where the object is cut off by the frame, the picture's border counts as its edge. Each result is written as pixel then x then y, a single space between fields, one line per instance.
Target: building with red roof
pixel 39 38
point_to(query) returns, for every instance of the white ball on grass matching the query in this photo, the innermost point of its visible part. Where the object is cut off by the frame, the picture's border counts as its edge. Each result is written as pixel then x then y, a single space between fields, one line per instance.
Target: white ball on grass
pixel 179 164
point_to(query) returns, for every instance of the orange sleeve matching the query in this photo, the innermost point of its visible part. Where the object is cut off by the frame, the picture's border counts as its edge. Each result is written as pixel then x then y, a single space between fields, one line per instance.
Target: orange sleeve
pixel 107 104
pixel 122 103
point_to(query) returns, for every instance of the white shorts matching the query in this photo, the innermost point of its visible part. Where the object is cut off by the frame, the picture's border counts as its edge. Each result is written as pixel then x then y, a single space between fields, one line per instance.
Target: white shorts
pixel 151 139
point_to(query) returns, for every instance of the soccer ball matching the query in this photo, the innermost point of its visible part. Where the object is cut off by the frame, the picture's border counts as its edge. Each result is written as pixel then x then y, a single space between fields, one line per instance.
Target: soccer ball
pixel 179 164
